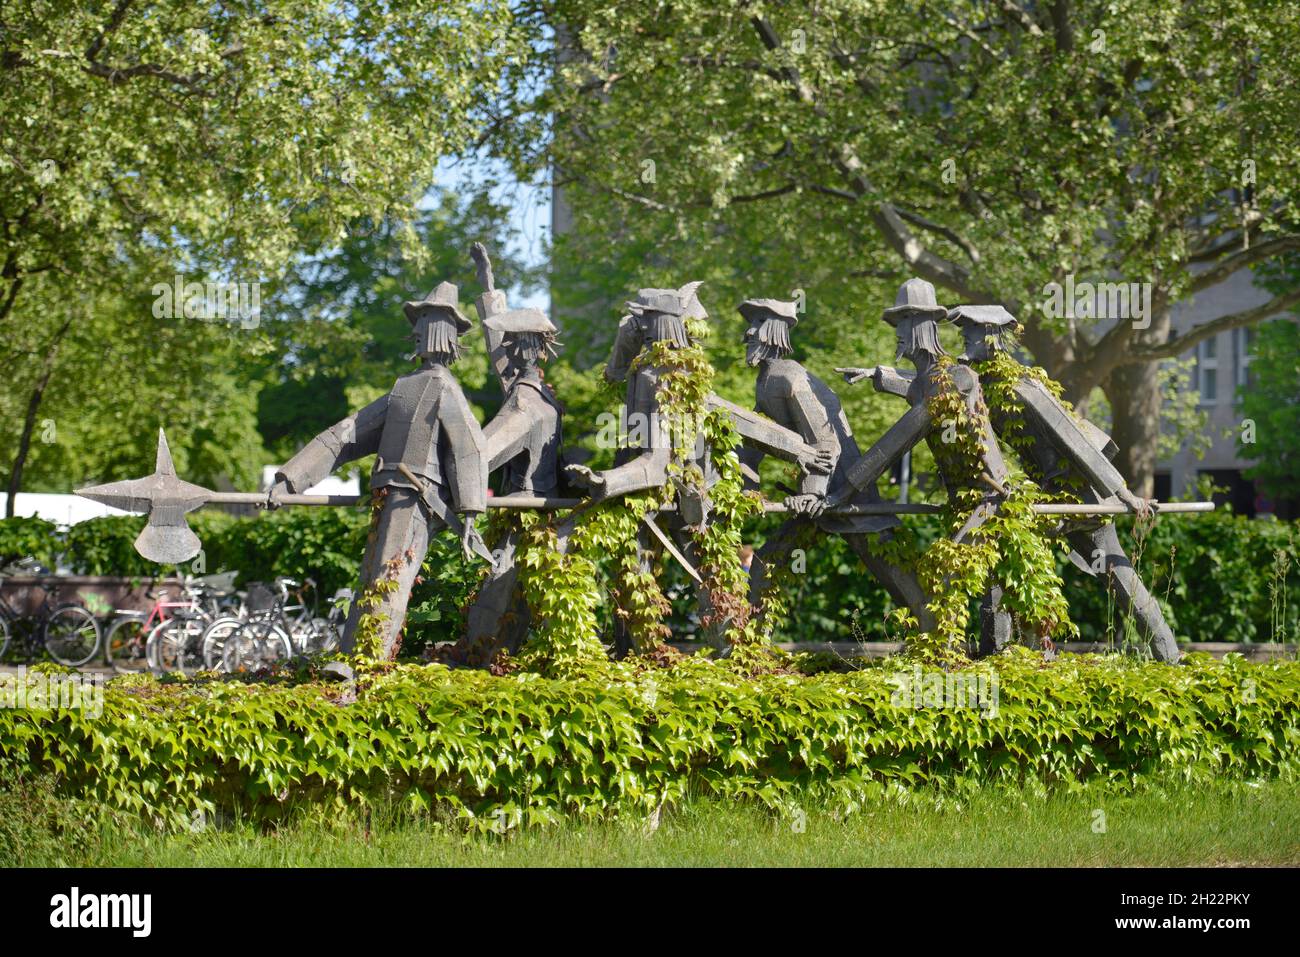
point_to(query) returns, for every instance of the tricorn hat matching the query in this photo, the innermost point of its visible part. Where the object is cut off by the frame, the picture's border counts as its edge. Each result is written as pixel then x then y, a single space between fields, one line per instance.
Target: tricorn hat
pixel 689 305
pixel 694 309
pixel 995 316
pixel 667 301
pixel 756 310
pixel 444 296
pixel 915 297
pixel 520 320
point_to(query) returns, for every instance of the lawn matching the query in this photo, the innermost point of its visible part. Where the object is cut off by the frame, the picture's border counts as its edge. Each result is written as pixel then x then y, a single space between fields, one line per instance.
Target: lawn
pixel 1227 824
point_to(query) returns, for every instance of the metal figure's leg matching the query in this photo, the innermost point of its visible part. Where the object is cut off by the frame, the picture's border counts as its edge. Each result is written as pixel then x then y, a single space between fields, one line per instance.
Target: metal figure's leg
pixel 902 585
pixel 995 623
pixel 713 628
pixel 776 550
pixel 1134 599
pixel 395 549
pixel 623 643
pixel 494 620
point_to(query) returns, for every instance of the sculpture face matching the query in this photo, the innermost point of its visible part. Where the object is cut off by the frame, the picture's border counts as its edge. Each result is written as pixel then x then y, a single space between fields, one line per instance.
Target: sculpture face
pixel 981 343
pixel 527 350
pixel 663 327
pixel 765 339
pixel 918 335
pixel 436 337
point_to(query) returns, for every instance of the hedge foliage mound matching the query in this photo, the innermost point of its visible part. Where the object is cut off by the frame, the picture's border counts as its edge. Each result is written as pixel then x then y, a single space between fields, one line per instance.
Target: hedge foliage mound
pixel 626 737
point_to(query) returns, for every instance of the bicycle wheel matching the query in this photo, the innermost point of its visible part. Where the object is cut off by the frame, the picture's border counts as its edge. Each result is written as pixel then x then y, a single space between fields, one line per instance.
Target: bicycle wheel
pixel 176 645
pixel 323 636
pixel 4 637
pixel 124 645
pixel 257 645
pixel 215 638
pixel 71 635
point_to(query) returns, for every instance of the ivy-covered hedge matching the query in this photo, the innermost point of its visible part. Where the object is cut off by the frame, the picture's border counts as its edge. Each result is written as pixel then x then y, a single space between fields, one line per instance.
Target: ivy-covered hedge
pixel 628 736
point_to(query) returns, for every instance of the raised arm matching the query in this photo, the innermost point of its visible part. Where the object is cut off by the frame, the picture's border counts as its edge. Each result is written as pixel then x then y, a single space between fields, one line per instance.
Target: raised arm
pixel 627 343
pixel 492 301
pixel 344 441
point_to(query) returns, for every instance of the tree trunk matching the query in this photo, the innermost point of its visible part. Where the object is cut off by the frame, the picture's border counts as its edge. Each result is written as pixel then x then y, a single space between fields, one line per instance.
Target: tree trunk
pixel 1134 394
pixel 29 421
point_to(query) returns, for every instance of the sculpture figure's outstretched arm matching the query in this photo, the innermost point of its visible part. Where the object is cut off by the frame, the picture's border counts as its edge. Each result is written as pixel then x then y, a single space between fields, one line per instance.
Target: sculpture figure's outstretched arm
pixel 764 435
pixel 506 435
pixel 892 381
pixel 884 379
pixel 344 441
pixel 810 419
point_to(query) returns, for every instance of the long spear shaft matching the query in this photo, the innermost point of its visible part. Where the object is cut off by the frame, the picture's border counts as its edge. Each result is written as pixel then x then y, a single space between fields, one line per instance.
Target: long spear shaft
pixel 167 499
pixel 556 504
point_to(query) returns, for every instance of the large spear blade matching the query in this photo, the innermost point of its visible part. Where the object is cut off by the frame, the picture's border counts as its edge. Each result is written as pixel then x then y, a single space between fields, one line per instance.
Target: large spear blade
pixel 166 499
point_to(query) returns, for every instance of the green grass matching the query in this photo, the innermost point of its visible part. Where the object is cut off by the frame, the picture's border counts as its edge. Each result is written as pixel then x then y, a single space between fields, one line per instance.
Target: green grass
pixel 1227 824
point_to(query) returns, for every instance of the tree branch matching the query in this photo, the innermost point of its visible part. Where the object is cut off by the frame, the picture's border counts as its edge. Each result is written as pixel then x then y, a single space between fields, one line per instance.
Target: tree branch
pixel 1022 18
pixel 114 21
pixel 1234 320
pixel 884 215
pixel 1243 259
pixel 916 219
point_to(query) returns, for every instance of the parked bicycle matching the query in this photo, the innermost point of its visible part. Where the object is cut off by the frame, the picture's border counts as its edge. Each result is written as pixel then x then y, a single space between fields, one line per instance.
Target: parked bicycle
pixel 68 632
pixel 127 642
pixel 309 632
pixel 281 622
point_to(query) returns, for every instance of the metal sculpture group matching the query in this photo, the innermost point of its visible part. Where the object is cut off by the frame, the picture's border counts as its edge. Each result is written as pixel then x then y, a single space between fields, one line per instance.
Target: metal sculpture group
pixel 433 459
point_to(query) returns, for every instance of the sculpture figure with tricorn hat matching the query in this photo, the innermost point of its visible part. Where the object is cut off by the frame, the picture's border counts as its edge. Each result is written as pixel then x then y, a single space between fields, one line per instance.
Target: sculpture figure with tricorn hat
pixel 524 440
pixel 787 393
pixel 662 316
pixel 915 317
pixel 655 316
pixel 1060 452
pixel 430 471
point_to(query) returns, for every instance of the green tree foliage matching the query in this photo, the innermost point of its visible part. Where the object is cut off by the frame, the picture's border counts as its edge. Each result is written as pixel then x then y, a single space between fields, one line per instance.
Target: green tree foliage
pixel 1272 406
pixel 341 336
pixel 990 148
pixel 139 141
pixel 116 373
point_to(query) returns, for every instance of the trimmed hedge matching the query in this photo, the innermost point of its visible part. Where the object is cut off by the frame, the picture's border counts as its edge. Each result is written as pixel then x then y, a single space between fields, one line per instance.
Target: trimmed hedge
pixel 1220 577
pixel 627 737
pixel 324 544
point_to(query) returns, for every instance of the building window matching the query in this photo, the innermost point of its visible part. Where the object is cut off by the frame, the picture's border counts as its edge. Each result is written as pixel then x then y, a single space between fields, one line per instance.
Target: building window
pixel 1207 370
pixel 1243 342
